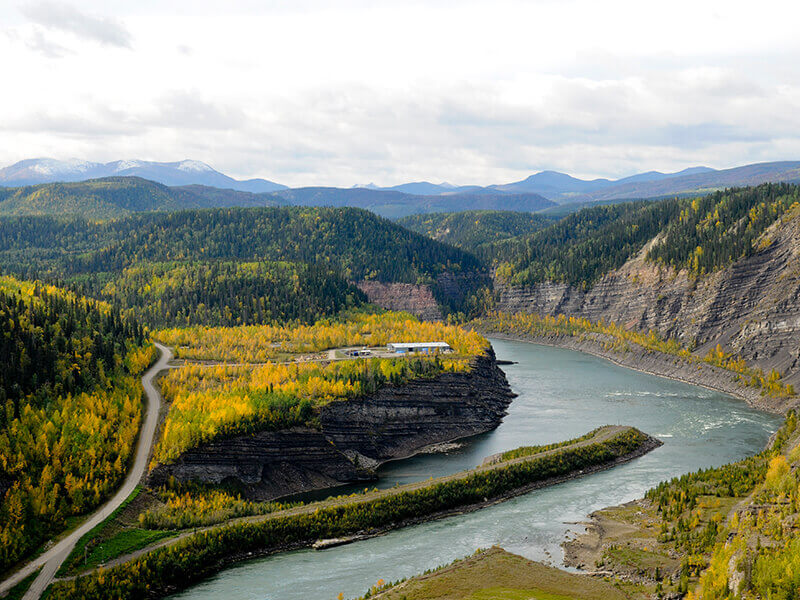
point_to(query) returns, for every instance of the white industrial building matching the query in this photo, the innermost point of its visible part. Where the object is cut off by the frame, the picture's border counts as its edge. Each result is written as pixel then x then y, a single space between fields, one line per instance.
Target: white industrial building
pixel 418 347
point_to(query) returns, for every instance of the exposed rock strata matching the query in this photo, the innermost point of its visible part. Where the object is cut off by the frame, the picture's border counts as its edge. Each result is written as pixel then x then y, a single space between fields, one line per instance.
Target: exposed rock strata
pixel 416 299
pixel 752 307
pixel 355 435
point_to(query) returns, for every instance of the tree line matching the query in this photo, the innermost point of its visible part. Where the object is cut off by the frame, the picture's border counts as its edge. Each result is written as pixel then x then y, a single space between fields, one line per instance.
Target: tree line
pixel 163 570
pixel 224 293
pixel 72 404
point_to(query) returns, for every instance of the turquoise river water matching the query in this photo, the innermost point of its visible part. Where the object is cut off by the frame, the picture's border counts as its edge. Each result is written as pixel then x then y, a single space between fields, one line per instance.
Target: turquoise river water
pixel 562 394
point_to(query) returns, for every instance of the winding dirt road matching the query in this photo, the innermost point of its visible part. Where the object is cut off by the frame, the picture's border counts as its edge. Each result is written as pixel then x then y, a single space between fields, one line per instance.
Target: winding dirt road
pixel 51 560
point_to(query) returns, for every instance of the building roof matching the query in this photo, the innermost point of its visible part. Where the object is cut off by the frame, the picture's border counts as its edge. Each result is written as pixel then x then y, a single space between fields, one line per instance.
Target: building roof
pixel 418 345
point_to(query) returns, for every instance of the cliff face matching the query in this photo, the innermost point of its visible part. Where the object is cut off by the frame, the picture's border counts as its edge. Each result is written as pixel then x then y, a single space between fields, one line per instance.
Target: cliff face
pixel 355 436
pixel 752 307
pixel 426 301
pixel 416 299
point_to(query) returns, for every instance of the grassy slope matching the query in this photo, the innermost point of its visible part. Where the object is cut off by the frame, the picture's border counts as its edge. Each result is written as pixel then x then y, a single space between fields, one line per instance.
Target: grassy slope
pixel 499 575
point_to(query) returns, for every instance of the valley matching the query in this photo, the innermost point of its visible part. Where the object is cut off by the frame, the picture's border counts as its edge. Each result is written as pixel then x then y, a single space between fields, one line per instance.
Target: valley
pixel 289 418
pixel 401 301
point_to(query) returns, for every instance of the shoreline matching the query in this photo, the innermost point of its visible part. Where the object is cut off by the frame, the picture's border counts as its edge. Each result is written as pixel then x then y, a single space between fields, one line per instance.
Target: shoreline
pixel 648 444
pixel 670 369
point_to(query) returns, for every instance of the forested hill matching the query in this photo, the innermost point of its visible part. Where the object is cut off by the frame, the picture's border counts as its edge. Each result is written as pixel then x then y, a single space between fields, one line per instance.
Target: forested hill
pixel 584 246
pixel 114 197
pixel 53 342
pixel 224 292
pixel 472 229
pixel 700 234
pixel 71 409
pixel 358 243
pixel 231 266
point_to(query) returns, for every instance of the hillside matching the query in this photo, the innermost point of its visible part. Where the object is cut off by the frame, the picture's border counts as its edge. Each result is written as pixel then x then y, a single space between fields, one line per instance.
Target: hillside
pixel 224 293
pixel 356 242
pixel 115 197
pixel 716 270
pixel 584 245
pixel 72 409
pixel 471 229
pixel 395 204
pixel 342 244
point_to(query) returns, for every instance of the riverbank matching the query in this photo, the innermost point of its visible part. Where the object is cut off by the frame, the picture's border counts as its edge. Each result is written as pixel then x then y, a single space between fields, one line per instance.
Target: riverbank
pixel 495 573
pixel 656 363
pixel 670 537
pixel 341 441
pixel 194 556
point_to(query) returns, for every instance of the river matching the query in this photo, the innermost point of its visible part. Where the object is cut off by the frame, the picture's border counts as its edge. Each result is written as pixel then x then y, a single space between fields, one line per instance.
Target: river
pixel 562 394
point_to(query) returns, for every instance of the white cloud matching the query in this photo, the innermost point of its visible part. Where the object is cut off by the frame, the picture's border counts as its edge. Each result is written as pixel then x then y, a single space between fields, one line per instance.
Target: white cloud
pixel 470 92
pixel 61 16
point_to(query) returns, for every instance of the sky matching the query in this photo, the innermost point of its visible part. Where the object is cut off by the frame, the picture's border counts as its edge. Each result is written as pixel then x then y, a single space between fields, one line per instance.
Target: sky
pixel 319 93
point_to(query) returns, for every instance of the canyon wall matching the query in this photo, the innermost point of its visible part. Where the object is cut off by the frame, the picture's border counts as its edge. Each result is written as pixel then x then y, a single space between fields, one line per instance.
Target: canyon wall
pixel 413 298
pixel 355 435
pixel 751 307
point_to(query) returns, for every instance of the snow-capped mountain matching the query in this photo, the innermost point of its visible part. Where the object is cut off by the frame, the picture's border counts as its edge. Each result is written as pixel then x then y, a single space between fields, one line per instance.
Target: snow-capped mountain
pixel 185 172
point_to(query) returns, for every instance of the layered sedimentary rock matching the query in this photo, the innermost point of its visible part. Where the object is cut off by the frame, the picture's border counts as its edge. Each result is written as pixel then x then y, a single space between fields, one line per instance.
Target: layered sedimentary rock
pixel 355 436
pixel 751 307
pixel 416 299
pixel 449 290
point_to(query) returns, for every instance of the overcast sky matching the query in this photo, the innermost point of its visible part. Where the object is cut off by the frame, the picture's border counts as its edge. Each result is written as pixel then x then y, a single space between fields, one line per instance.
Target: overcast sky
pixel 305 92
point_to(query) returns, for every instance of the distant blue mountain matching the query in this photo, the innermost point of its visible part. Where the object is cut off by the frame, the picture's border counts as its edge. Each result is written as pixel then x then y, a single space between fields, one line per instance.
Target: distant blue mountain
pixel 561 187
pixel 554 185
pixel 694 181
pixel 658 176
pixel 394 205
pixel 425 188
pixel 185 172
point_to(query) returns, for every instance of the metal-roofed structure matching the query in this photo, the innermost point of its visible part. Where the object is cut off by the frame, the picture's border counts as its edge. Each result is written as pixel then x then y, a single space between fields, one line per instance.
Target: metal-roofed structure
pixel 418 347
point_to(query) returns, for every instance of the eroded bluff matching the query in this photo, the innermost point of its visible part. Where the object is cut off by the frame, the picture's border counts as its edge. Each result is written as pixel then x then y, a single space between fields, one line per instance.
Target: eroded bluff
pixel 355 436
pixel 751 307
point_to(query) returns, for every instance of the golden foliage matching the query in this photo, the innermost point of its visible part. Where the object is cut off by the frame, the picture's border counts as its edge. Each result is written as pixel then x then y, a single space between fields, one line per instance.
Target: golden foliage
pixel 260 343
pixel 208 401
pixel 65 458
pixel 615 337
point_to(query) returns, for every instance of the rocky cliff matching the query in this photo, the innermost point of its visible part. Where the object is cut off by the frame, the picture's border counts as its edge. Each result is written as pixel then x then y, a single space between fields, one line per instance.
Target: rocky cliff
pixel 752 307
pixel 355 435
pixel 449 291
pixel 416 299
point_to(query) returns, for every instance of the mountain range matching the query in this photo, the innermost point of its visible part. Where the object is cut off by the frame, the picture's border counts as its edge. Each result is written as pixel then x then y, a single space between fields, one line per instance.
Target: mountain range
pixel 192 184
pixel 114 197
pixel 550 184
pixel 563 188
pixel 185 172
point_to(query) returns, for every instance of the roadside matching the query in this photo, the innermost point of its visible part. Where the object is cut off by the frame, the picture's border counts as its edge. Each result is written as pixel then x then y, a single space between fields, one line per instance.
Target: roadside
pixel 50 561
pixel 608 437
